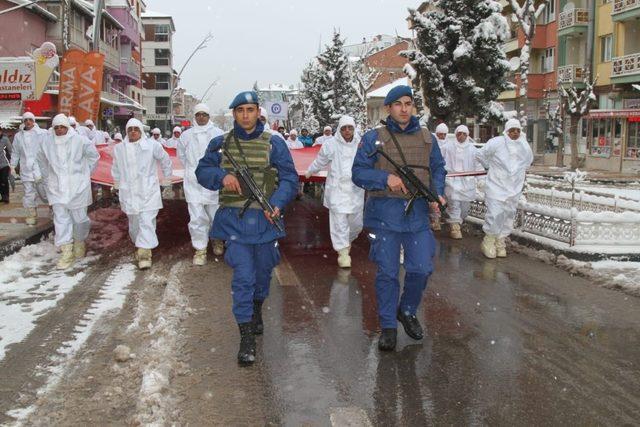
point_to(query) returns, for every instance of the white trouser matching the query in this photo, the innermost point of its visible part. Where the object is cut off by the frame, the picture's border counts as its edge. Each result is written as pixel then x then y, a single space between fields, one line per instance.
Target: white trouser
pixel 500 215
pixel 201 218
pixel 344 228
pixel 142 229
pixel 31 197
pixel 457 210
pixel 70 224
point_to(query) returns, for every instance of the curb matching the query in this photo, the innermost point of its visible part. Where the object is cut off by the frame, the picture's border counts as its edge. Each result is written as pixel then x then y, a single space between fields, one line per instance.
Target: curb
pixel 11 246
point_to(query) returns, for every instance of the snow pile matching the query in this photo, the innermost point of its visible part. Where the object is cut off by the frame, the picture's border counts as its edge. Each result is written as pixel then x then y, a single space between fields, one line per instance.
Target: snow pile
pixel 30 286
pixel 160 360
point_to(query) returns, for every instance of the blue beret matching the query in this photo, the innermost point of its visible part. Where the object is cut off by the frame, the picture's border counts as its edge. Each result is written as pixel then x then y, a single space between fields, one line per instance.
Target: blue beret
pixel 397 93
pixel 248 97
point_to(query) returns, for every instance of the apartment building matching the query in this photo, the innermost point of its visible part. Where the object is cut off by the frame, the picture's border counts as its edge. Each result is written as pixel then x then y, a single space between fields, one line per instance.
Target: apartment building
pixel 158 76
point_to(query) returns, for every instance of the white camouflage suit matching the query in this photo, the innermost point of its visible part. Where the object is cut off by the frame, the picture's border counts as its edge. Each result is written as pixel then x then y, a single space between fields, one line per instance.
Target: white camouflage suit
pixel 135 174
pixel 66 163
pixel 342 197
pixel 26 145
pixel 507 162
pixel 202 203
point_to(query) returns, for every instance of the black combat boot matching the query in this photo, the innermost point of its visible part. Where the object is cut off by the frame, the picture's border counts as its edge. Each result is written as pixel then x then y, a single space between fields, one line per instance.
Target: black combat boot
pixel 411 325
pixel 258 326
pixel 387 340
pixel 247 352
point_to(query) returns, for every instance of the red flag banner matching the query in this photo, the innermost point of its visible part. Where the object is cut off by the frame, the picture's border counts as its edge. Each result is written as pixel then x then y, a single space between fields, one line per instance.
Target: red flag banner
pixel 302 159
pixel 89 87
pixel 69 80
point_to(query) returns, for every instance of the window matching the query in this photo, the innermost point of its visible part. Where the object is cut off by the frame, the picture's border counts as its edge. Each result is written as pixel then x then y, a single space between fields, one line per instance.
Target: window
pixel 549 11
pixel 162 105
pixel 633 140
pixel 162 33
pixel 162 81
pixel 605 134
pixel 606 46
pixel 163 56
pixel 547 61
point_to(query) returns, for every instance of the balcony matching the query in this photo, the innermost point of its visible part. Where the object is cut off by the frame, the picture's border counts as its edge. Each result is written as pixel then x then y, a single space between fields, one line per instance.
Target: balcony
pixel 626 69
pixel 625 9
pixel 78 40
pixel 130 68
pixel 571 73
pixel 510 45
pixel 573 21
pixel 111 56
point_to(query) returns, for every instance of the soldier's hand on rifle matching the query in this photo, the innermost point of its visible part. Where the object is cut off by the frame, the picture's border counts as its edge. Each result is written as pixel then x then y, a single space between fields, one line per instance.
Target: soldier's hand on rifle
pixel 270 217
pixel 396 184
pixel 443 201
pixel 231 183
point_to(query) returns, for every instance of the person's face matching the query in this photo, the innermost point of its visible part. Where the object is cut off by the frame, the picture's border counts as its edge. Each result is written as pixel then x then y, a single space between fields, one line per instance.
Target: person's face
pixel 347 132
pixel 202 118
pixel 28 124
pixel 90 127
pixel 514 133
pixel 134 133
pixel 281 130
pixel 305 132
pixel 246 115
pixel 156 136
pixel 176 134
pixel 293 136
pixel 60 130
pixel 401 110
pixel 461 137
pixel 263 120
pixel 441 135
pixel 327 132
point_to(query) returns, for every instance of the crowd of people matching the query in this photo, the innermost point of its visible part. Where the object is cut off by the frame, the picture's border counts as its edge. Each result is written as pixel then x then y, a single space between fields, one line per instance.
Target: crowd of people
pixel 244 216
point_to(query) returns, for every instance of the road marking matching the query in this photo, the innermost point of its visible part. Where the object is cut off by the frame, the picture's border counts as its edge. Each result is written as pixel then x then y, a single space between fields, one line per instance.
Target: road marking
pixel 285 274
pixel 350 417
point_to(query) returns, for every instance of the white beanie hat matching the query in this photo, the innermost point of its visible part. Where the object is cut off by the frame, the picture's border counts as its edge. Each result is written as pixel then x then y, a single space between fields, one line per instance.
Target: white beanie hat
pixel 201 108
pixel 293 132
pixel 60 120
pixel 512 124
pixel 463 129
pixel 263 113
pixel 117 137
pixel 442 128
pixel 346 121
pixel 28 115
pixel 89 122
pixel 72 121
pixel 177 129
pixel 328 128
pixel 155 131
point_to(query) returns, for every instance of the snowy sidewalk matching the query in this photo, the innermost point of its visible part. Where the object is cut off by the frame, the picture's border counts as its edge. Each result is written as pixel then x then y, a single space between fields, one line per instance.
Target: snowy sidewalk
pixel 14 233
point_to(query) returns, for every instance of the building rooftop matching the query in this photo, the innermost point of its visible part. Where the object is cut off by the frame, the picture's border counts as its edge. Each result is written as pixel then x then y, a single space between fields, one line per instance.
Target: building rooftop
pixel 381 92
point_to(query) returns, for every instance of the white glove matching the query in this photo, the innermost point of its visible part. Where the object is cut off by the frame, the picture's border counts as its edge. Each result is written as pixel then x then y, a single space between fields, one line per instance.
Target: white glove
pixel 12 170
pixel 38 180
pixel 307 174
pixel 116 185
pixel 166 183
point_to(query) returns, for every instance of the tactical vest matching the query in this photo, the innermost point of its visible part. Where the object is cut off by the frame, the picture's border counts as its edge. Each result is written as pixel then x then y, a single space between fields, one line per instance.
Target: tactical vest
pixel 416 149
pixel 254 154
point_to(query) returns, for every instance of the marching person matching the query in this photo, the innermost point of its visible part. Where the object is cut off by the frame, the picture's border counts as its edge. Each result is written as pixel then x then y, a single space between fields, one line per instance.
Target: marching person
pixel 342 197
pixel 460 156
pixel 135 175
pixel 5 169
pixel 252 238
pixel 389 226
pixel 73 122
pixel 293 143
pixel 175 138
pixel 305 138
pixel 26 145
pixel 507 158
pixel 67 160
pixel 202 203
pixel 117 138
pixel 441 136
pixel 326 135
pixel 157 135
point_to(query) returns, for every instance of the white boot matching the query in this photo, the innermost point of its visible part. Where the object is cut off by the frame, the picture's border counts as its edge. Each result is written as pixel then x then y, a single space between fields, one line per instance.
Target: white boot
pixel 488 246
pixel 200 257
pixel 66 259
pixel 218 247
pixel 32 216
pixel 455 232
pixel 344 260
pixel 144 258
pixel 501 248
pixel 79 250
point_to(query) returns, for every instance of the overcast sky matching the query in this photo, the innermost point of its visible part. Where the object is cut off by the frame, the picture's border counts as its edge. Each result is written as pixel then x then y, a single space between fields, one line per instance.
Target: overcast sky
pixel 268 41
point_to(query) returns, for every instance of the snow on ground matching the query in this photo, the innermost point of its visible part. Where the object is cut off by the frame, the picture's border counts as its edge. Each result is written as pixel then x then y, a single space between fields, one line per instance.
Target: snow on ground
pixel 111 299
pixel 30 286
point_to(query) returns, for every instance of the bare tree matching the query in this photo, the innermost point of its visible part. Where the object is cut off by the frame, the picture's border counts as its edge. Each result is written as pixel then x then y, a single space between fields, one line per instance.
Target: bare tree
pixel 576 104
pixel 554 118
pixel 526 16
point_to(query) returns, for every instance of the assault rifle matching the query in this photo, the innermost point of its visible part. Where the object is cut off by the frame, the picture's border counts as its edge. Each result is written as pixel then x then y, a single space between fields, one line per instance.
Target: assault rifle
pixel 416 188
pixel 250 187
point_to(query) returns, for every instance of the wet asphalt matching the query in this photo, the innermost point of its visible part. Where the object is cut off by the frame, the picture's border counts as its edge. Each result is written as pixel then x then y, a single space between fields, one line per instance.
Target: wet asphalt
pixel 508 342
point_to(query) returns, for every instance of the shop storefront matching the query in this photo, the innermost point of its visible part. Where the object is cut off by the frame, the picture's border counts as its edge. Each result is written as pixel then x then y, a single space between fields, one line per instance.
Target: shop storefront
pixel 613 141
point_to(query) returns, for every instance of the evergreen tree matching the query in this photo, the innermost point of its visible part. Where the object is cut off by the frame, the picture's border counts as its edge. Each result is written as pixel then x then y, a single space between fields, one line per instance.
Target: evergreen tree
pixel 310 96
pixel 459 61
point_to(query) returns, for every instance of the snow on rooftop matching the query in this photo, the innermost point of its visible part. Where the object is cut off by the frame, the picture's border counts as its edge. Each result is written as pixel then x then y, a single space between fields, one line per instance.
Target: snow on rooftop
pixel 381 92
pixel 152 14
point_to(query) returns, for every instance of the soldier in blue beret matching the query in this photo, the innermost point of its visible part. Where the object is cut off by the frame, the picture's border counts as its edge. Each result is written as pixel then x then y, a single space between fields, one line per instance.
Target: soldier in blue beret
pixel 251 236
pixel 407 143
